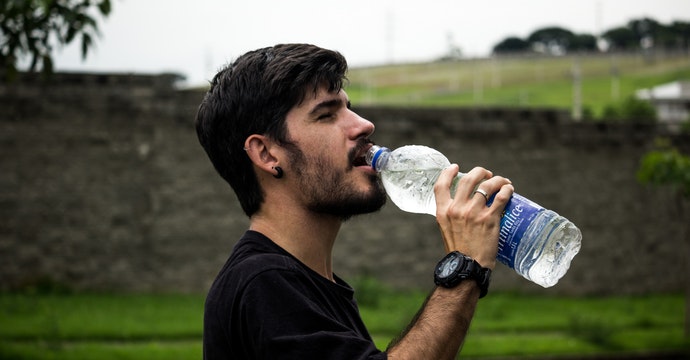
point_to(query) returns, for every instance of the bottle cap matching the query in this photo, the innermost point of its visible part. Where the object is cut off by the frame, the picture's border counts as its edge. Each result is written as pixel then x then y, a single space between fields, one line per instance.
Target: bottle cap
pixel 377 152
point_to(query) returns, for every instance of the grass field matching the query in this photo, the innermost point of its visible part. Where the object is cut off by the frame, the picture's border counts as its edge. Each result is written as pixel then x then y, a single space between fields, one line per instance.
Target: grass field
pixel 517 81
pixel 117 326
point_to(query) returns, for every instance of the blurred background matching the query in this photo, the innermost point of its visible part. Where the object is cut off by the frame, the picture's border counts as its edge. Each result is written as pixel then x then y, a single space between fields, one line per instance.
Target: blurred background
pixel 195 39
pixel 113 223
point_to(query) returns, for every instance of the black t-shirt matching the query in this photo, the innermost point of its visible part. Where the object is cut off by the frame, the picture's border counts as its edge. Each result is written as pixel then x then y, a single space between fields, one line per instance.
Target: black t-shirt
pixel 266 304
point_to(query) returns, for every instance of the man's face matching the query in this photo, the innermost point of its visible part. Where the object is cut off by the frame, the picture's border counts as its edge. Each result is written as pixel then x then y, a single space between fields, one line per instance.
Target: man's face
pixel 327 142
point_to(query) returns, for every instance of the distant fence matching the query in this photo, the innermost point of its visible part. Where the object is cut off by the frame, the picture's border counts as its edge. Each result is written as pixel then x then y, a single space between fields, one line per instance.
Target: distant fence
pixel 103 186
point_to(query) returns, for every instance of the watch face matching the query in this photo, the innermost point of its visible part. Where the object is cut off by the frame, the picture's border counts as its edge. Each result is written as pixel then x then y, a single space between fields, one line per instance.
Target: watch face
pixel 456 267
pixel 449 266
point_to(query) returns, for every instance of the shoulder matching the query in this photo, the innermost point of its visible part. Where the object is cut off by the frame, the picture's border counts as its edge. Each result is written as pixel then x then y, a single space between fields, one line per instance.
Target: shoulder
pixel 256 262
pixel 255 254
pixel 241 271
pixel 264 265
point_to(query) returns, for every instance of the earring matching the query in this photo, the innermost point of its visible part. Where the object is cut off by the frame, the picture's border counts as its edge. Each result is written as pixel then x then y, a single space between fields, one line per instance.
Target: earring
pixel 279 172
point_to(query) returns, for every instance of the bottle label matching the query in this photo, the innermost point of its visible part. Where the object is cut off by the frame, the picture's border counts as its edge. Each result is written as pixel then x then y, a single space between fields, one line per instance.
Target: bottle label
pixel 518 215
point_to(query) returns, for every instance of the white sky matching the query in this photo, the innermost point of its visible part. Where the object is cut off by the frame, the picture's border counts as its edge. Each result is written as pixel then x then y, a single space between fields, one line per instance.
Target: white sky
pixel 195 38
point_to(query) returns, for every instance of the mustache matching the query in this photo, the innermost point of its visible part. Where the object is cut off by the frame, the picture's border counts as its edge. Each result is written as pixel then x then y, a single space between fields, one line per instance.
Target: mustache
pixel 358 149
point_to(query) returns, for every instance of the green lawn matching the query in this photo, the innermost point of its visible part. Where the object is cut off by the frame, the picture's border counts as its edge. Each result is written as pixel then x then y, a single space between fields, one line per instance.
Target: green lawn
pixel 519 81
pixel 117 326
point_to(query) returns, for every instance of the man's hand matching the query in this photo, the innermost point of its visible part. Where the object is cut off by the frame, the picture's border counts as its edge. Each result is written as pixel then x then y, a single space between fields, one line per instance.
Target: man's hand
pixel 467 224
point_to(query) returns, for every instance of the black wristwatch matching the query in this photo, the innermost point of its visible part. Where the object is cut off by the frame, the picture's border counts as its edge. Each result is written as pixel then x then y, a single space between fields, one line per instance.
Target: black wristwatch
pixel 456 267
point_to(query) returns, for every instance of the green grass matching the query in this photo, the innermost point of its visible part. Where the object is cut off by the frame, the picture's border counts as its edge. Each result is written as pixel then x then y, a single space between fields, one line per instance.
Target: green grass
pixel 514 325
pixel 116 326
pixel 96 317
pixel 527 81
pixel 84 350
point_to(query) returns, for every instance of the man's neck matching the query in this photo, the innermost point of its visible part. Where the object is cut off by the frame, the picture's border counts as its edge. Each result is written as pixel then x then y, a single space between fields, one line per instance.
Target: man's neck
pixel 308 237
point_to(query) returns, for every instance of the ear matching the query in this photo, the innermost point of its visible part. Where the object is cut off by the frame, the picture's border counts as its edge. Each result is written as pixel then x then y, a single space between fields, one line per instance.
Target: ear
pixel 262 152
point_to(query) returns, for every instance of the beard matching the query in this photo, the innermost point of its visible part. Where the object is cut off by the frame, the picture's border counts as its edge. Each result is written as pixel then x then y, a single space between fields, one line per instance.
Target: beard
pixel 327 190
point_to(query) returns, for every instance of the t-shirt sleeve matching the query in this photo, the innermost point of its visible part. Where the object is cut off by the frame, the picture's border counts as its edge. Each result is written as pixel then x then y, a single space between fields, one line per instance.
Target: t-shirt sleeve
pixel 285 317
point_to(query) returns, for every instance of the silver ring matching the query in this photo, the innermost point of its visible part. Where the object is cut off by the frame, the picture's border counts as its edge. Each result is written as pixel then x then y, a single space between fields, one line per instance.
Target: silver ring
pixel 484 194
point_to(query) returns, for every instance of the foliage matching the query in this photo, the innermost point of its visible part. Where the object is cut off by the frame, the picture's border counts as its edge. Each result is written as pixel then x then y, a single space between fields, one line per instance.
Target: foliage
pixel 31 28
pixel 631 109
pixel 621 38
pixel 643 33
pixel 675 35
pixel 611 112
pixel 583 42
pixel 666 166
pixel 648 34
pixel 511 45
pixel 551 40
pixel 680 31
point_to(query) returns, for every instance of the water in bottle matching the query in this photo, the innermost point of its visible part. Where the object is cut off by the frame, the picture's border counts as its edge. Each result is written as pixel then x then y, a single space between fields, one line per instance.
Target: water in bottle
pixel 537 243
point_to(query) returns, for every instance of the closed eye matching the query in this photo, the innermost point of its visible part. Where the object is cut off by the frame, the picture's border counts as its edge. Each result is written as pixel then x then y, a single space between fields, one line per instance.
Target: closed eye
pixel 325 116
pixel 326 109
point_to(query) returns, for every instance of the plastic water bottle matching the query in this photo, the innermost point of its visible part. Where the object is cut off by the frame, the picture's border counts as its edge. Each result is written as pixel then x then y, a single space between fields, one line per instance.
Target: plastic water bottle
pixel 537 243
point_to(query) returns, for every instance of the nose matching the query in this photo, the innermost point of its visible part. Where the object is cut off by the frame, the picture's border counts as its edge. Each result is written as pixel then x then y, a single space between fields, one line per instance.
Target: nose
pixel 362 127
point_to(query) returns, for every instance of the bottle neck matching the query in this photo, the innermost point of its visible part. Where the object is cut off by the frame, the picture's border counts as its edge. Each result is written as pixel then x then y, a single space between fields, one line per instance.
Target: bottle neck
pixel 377 157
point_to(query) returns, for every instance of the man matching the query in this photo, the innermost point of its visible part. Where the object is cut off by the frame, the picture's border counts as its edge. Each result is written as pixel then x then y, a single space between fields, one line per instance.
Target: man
pixel 278 128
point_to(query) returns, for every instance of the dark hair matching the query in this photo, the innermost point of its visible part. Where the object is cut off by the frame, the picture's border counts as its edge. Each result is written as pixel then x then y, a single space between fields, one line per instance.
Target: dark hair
pixel 253 95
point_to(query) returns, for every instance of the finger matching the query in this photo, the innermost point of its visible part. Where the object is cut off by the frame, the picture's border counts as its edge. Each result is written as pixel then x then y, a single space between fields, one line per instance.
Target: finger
pixel 484 195
pixel 442 185
pixel 489 188
pixel 503 196
pixel 471 181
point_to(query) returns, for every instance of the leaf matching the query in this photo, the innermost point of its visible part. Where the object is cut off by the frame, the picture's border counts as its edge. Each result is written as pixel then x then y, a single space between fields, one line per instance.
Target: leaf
pixel 71 32
pixel 104 7
pixel 86 43
pixel 27 25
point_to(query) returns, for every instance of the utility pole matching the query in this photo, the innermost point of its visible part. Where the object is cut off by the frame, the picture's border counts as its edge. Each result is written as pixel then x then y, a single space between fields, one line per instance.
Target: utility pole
pixel 577 89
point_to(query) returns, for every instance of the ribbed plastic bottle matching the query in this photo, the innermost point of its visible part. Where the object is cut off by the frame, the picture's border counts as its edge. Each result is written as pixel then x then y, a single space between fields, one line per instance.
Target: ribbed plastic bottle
pixel 537 243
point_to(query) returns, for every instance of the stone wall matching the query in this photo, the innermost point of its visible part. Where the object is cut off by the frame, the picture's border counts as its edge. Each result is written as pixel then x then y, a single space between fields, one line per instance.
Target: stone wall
pixel 103 186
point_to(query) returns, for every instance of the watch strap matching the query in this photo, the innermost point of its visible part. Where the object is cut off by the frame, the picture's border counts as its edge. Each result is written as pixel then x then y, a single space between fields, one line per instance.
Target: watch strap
pixel 483 279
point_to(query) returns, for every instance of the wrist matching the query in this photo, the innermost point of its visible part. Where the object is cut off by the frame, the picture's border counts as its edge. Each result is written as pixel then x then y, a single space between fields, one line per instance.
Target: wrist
pixel 488 263
pixel 456 268
pixel 486 259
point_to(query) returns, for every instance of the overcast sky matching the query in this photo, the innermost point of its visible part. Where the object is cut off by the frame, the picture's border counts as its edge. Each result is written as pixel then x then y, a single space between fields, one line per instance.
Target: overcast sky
pixel 195 38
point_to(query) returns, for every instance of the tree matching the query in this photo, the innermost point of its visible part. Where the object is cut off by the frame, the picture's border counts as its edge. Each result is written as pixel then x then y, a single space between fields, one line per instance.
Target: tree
pixel 511 45
pixel 643 28
pixel 648 33
pixel 551 40
pixel 583 42
pixel 678 35
pixel 621 38
pixel 32 28
pixel 652 34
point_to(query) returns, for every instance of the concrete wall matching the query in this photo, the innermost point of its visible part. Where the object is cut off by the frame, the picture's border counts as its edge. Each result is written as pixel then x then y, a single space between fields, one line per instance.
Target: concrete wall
pixel 103 186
